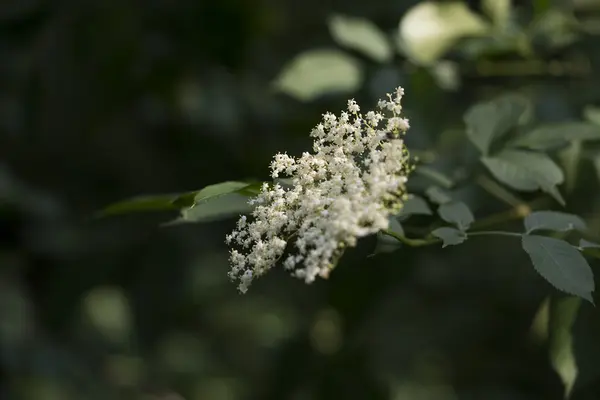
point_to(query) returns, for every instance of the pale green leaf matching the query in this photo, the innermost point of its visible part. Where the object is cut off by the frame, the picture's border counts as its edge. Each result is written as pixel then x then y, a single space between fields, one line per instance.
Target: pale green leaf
pixel 561 264
pixel 589 248
pixel 449 236
pixel 457 213
pixel 430 29
pixel 491 120
pixel 592 114
pixel 318 72
pixel 539 325
pixel 396 226
pixel 285 182
pixel 498 11
pixel 586 349
pixel 553 220
pixel 556 135
pixel 213 209
pixel 362 35
pixel 387 243
pixel 586 243
pixel 223 188
pixel 527 171
pixel 435 176
pixel 152 203
pixel 171 202
pixel 415 205
pixel 563 312
pixel 108 311
pixel 447 75
pixel 437 195
pixel 570 160
pixel 555 27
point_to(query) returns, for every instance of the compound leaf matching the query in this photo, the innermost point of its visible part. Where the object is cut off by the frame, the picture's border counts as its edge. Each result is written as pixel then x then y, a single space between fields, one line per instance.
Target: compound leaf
pixel 561 264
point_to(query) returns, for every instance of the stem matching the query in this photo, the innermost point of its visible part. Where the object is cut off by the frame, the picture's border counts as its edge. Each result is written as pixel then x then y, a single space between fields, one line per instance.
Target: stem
pixel 520 210
pixel 496 233
pixel 408 241
pixel 427 242
pixel 498 218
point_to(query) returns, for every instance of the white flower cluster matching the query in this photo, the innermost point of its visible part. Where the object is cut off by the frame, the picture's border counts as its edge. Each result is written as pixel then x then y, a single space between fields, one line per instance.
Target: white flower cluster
pixel 346 189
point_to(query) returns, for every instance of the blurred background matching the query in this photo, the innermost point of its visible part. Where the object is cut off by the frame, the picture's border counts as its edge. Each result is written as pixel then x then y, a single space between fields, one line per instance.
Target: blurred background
pixel 105 100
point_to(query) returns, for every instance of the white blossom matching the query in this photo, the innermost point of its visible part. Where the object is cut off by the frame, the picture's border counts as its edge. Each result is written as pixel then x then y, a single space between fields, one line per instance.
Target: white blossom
pixel 346 189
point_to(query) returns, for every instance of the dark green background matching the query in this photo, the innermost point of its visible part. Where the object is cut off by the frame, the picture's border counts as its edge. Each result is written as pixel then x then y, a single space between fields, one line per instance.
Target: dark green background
pixel 103 100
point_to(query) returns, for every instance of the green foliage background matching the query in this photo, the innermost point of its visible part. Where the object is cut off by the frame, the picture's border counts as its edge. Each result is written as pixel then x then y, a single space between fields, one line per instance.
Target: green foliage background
pixel 106 100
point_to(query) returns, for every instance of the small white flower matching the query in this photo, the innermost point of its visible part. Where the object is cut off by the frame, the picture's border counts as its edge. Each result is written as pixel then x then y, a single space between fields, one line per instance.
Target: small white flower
pixel 343 191
pixel 289 263
pixel 353 107
pixel 373 118
pixel 396 124
pixel 329 120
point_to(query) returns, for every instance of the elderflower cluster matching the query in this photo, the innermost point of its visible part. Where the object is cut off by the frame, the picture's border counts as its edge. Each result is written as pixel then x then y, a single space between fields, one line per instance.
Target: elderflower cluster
pixel 346 189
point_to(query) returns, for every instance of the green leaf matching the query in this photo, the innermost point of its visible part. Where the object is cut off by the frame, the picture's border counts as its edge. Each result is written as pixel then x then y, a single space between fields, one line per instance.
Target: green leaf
pixel 526 171
pixel 570 160
pixel 589 248
pixel 592 114
pixel 498 10
pixel 561 265
pixel 556 135
pixel 586 348
pixel 174 202
pixel 457 213
pixel 251 190
pixel 415 205
pixel 221 200
pixel 555 28
pixel 396 226
pixel 447 75
pixel 319 72
pixel 539 325
pixel 563 312
pixel 430 29
pixel 585 244
pixel 223 206
pixel 164 202
pixel 362 35
pixel 386 243
pixel 219 189
pixel 491 120
pixel 437 195
pixel 449 236
pixel 109 311
pixel 553 220
pixel 434 176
